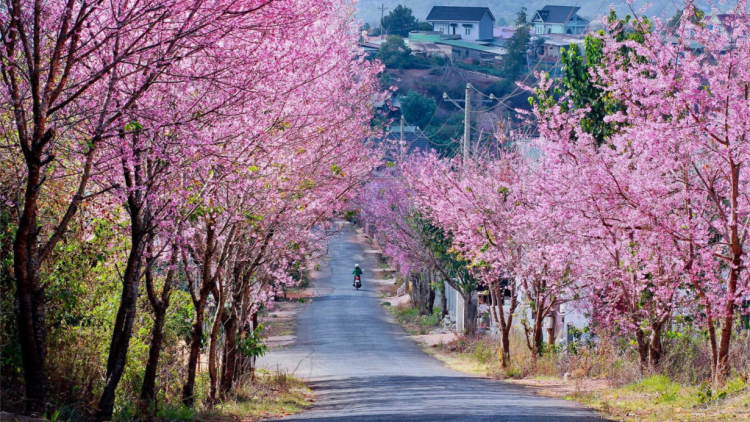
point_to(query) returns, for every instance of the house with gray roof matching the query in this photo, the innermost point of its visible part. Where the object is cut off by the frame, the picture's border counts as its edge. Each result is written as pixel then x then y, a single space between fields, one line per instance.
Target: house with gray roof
pixel 559 20
pixel 470 23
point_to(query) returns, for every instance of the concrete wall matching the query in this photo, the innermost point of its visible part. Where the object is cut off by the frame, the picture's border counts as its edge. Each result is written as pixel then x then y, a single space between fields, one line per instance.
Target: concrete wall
pixel 452 297
pixel 479 30
pixel 485 27
pixel 572 27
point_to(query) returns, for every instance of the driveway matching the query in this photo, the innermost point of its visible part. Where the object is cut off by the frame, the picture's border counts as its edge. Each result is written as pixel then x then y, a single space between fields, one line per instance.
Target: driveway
pixel 363 367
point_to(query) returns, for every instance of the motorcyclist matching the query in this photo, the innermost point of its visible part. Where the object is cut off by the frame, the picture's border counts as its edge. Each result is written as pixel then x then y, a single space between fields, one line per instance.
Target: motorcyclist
pixel 357 273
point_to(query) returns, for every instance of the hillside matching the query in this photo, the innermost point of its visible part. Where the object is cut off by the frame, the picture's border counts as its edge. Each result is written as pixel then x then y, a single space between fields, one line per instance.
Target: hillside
pixel 368 10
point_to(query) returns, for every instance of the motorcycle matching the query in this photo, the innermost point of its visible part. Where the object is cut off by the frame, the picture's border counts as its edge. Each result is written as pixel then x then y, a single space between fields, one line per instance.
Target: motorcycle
pixel 357 282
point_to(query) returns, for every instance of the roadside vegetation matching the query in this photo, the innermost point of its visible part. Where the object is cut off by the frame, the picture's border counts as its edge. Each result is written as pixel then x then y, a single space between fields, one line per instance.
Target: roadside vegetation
pixel 270 395
pixel 408 316
pixel 607 378
pixel 159 190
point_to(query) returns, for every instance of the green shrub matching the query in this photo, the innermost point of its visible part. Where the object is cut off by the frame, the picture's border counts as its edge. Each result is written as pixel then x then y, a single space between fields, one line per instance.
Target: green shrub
pixel 483 352
pixel 405 314
pixel 666 389
pixel 735 385
pixel 177 413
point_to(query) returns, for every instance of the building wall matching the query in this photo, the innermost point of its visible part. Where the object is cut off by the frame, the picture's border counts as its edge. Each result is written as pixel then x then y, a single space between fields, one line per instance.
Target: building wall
pixel 460 54
pixel 542 28
pixel 573 27
pixel 568 319
pixel 576 26
pixel 451 298
pixel 485 28
pixel 476 33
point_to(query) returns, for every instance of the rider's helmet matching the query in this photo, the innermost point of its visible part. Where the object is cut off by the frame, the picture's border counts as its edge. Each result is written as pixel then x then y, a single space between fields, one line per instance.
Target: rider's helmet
pixel 356 265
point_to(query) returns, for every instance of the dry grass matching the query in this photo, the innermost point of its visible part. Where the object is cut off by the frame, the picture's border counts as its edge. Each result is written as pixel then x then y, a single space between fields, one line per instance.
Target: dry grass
pixel 271 395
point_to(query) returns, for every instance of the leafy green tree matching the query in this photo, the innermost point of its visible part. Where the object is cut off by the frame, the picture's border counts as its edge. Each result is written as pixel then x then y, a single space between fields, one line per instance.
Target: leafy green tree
pixel 453 268
pixel 578 83
pixel 400 21
pixel 423 26
pixel 394 53
pixel 515 61
pixel 418 109
pixel 444 132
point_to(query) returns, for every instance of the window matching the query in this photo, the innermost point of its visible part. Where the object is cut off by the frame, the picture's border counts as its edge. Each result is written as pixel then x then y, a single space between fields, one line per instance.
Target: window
pixel 441 29
pixel 468 31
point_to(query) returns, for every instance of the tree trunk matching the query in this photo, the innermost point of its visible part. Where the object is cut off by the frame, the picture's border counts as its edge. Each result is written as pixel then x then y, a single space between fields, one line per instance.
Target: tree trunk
pixel 655 350
pixel 470 314
pixel 714 346
pixel 212 373
pixel 118 349
pixel 230 353
pixel 200 297
pixel 148 390
pixel 736 245
pixel 422 294
pixel 196 338
pixel 551 330
pixel 722 364
pixel 497 296
pixel 642 343
pixel 30 316
pixel 538 337
pixel 253 358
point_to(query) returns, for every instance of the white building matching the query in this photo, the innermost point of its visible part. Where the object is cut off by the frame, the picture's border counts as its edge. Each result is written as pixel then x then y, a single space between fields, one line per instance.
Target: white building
pixel 559 20
pixel 471 23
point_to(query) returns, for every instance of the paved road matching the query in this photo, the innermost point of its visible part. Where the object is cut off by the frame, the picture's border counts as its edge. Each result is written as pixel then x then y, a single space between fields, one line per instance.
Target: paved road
pixel 363 367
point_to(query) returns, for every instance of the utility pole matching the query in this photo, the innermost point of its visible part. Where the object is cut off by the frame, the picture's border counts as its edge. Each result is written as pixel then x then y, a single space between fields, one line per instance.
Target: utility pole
pixel 467 123
pixel 402 129
pixel 382 14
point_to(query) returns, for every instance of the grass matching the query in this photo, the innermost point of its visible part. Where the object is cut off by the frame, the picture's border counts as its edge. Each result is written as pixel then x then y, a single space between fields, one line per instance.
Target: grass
pixel 272 395
pixel 458 362
pixel 408 316
pixel 664 389
pixel 657 398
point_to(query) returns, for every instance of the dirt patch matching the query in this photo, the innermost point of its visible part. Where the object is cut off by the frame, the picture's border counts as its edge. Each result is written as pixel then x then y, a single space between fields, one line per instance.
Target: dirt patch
pixel 12 417
pixel 434 340
pixel 396 300
pixel 279 322
pixel 560 388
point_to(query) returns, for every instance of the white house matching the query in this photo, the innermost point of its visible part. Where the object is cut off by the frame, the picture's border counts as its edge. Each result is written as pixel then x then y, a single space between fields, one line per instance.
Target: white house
pixel 559 20
pixel 721 22
pixel 471 23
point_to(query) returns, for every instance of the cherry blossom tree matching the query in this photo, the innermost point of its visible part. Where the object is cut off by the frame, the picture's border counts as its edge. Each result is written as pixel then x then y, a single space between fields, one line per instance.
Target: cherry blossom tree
pixel 660 205
pixel 188 115
pixel 687 111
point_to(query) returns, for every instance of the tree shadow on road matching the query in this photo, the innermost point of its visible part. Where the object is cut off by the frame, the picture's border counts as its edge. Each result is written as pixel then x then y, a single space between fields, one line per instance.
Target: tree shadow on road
pixel 435 398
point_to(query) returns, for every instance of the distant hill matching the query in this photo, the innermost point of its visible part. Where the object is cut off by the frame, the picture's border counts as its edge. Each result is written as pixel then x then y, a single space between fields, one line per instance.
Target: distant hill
pixel 368 10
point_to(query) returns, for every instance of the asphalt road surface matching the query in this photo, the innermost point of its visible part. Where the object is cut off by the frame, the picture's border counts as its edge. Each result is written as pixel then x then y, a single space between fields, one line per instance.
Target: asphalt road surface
pixel 363 367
